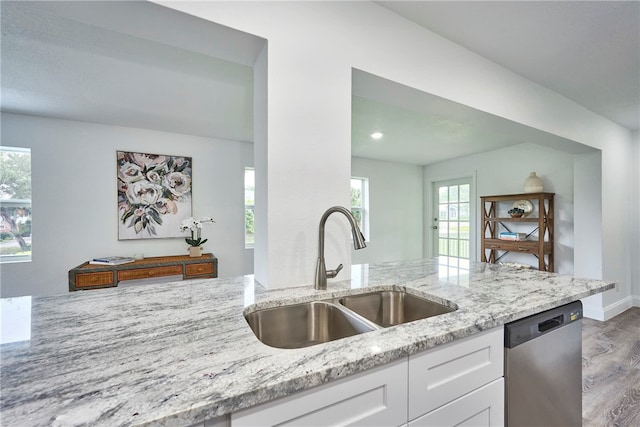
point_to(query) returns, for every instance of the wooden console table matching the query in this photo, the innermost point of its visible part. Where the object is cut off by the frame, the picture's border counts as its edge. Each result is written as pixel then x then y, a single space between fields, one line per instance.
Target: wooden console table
pixel 93 276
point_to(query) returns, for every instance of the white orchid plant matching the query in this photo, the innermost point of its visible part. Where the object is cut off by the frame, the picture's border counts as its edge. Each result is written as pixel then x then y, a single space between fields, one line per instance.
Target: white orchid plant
pixel 195 226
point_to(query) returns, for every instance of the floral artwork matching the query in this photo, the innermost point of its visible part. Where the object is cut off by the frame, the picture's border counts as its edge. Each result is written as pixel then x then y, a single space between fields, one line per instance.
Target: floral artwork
pixel 154 195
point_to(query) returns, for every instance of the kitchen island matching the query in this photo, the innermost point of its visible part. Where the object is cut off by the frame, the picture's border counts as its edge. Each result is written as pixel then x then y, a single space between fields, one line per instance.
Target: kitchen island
pixel 182 353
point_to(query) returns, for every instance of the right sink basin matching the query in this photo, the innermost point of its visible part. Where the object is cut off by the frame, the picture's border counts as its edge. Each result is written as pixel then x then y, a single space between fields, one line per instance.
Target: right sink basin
pixel 389 308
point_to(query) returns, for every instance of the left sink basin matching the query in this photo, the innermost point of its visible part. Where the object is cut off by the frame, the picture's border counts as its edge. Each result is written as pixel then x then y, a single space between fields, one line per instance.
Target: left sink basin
pixel 305 324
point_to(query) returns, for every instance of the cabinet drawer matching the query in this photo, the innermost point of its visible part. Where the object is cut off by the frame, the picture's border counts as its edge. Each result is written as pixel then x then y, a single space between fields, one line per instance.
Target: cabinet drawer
pixel 377 397
pixel 443 374
pixel 144 273
pixel 84 280
pixel 199 269
pixel 483 407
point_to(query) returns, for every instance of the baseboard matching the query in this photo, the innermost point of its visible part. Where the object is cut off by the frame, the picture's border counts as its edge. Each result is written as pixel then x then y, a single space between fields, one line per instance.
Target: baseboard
pixel 612 310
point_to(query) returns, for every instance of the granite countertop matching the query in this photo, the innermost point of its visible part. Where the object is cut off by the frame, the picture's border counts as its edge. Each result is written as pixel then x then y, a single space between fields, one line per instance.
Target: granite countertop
pixel 180 353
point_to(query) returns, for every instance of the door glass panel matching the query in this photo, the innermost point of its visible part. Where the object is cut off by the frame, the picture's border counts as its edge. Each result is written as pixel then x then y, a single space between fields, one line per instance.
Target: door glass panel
pixel 443 195
pixel 463 229
pixel 454 222
pixel 453 193
pixel 443 212
pixel 463 213
pixel 464 192
pixel 444 230
pixel 453 211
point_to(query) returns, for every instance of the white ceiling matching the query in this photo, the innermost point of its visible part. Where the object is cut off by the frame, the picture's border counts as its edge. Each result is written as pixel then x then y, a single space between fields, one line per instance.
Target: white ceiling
pixel 588 51
pixel 139 64
pixel 421 128
pixel 132 64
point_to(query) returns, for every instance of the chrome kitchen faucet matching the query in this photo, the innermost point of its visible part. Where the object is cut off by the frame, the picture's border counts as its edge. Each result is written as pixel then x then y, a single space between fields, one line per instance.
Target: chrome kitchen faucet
pixel 358 243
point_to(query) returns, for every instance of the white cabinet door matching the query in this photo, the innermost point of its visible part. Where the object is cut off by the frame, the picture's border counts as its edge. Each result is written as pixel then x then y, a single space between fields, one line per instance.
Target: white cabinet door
pixel 447 372
pixel 374 397
pixel 483 407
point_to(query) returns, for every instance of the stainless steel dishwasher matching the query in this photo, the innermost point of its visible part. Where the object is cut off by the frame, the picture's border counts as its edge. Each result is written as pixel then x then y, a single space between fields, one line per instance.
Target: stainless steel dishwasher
pixel 543 369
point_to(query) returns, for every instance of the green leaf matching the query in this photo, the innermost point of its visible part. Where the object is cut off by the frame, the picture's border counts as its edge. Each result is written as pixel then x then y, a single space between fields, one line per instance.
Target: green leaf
pixel 155 215
pixel 127 214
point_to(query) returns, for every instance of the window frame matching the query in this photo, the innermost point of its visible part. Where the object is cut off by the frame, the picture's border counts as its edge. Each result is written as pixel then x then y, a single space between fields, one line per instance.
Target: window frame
pixel 364 209
pixel 249 206
pixel 18 203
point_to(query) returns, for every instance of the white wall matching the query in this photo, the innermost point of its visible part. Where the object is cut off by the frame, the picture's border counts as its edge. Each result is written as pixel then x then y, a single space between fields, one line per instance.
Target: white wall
pixel 587 173
pixel 504 172
pixel 75 214
pixel 395 207
pixel 635 221
pixel 312 48
pixel 617 223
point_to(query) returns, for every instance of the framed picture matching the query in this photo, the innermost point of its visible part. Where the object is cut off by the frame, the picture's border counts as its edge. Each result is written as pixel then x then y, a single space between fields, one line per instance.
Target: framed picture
pixel 154 195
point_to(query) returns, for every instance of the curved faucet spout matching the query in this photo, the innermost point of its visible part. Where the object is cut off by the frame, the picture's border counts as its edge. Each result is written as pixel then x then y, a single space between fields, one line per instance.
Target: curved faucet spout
pixel 358 243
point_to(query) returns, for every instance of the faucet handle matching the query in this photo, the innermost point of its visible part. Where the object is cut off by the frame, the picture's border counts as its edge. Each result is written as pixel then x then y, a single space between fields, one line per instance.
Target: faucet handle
pixel 333 273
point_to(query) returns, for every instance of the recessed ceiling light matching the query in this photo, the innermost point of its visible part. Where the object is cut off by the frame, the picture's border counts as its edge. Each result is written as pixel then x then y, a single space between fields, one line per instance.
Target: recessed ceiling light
pixel 377 135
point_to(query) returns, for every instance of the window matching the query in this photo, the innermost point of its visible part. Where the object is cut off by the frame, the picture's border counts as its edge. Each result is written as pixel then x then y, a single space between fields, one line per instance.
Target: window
pixel 15 204
pixel 249 202
pixel 360 203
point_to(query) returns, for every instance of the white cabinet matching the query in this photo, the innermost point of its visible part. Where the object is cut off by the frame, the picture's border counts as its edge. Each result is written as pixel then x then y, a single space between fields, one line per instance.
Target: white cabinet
pixel 456 384
pixel 374 397
pixel 447 372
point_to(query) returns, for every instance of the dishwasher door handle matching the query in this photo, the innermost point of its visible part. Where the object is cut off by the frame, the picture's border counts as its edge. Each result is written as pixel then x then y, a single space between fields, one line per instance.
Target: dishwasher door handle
pixel 550 323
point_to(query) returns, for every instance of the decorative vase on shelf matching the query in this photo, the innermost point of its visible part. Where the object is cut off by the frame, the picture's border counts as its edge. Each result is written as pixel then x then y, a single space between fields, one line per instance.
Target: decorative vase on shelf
pixel 195 251
pixel 533 184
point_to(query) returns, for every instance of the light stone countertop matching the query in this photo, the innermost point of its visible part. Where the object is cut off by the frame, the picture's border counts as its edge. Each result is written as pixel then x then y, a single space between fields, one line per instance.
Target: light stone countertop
pixel 180 353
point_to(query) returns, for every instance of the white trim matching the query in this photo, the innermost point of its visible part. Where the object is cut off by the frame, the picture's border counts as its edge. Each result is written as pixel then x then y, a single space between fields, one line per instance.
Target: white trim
pixel 612 310
pixel 15 203
pixel 8 149
pixel 6 259
pixel 593 308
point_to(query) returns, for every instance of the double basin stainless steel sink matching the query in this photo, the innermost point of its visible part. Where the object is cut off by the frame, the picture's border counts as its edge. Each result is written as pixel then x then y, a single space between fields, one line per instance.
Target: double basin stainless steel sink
pixel 305 324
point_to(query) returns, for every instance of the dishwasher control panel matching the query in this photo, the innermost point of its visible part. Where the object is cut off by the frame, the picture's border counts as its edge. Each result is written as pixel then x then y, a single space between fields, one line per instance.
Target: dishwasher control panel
pixel 531 327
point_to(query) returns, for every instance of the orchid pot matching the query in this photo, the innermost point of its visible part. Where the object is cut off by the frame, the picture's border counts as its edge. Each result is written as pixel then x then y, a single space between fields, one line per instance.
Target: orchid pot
pixel 195 251
pixel 196 241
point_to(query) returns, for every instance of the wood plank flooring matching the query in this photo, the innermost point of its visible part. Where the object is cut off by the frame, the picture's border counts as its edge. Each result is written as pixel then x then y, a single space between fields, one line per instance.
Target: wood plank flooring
pixel 611 371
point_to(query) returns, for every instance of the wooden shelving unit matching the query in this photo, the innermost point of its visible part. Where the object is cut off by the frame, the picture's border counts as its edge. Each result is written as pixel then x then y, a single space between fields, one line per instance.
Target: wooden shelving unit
pixel 495 219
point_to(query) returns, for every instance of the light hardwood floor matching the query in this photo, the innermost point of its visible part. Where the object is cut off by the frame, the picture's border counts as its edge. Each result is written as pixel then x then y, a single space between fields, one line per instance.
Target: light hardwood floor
pixel 611 371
